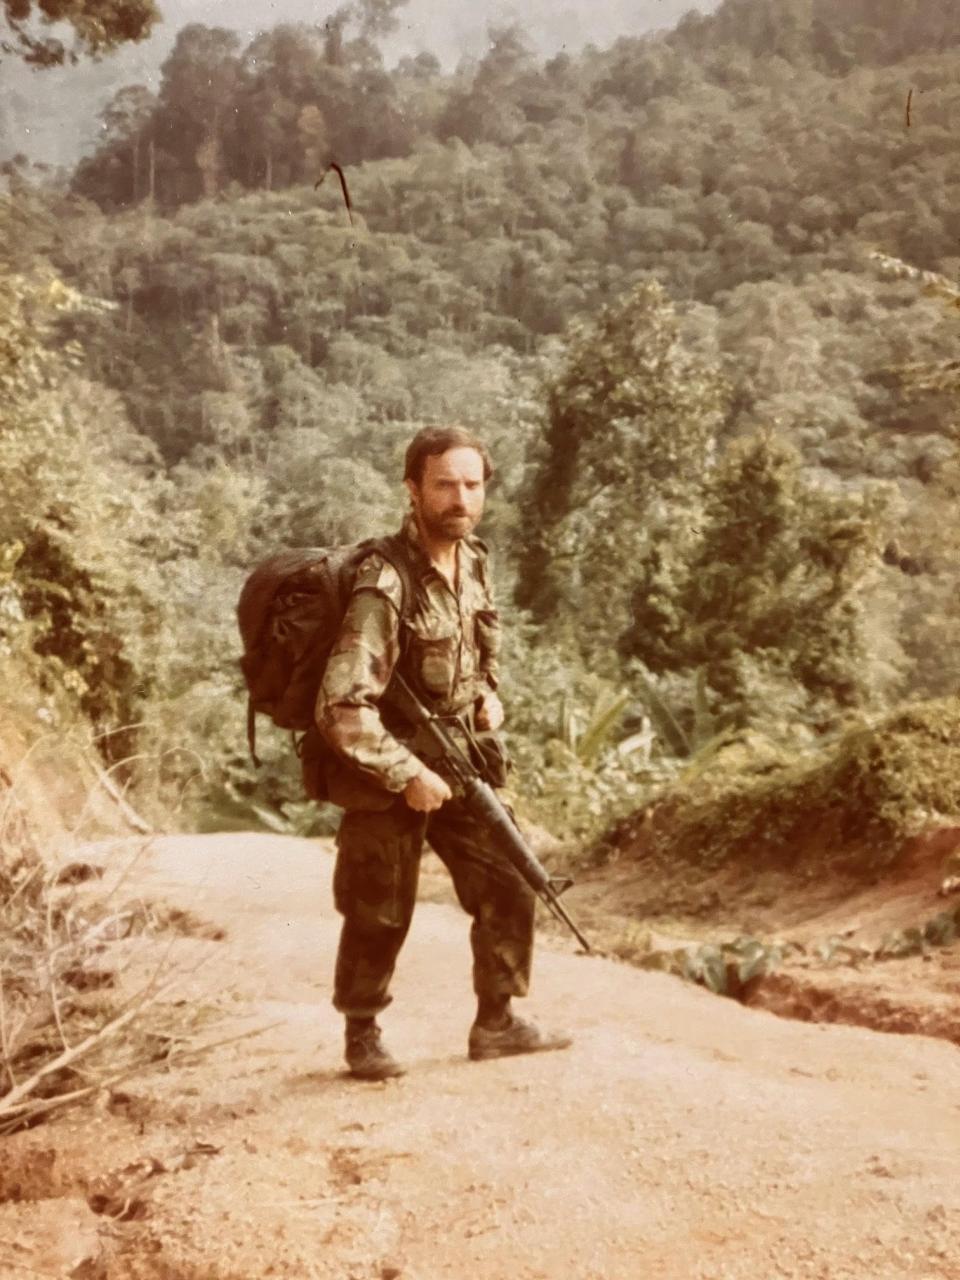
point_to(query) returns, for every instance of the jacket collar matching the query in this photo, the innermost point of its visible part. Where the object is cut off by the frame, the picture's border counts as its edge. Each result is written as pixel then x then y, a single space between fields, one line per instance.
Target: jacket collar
pixel 410 533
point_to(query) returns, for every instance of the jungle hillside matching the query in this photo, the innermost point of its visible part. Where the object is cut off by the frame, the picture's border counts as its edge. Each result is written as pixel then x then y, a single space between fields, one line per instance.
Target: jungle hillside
pixel 696 289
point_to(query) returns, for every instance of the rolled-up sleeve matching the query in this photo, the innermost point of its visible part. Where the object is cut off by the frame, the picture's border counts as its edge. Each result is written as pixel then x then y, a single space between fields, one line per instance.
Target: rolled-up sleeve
pixel 356 677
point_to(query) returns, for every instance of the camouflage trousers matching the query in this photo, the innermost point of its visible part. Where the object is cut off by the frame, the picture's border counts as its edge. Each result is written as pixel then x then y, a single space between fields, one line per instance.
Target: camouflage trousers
pixel 375 889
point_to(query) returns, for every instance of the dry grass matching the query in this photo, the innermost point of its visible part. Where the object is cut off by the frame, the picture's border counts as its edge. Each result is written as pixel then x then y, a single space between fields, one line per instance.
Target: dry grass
pixel 87 977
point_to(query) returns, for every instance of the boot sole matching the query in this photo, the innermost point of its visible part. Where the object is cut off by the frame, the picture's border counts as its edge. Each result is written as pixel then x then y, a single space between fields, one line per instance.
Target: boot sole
pixel 392 1074
pixel 480 1054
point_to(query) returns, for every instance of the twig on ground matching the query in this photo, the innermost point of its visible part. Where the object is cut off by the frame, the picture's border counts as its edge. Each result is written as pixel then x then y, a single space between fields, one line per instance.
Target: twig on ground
pixel 219 1044
pixel 142 849
pixel 110 788
pixel 57 1049
pixel 4 1035
pixel 22 887
pixel 52 976
pixel 11 1099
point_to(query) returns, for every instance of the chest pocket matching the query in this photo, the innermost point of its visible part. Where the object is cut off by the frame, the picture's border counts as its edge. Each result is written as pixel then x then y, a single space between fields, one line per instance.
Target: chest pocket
pixel 433 654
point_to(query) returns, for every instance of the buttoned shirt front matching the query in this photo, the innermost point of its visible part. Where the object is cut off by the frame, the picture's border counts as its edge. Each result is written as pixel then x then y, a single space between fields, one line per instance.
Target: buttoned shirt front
pixel 447 646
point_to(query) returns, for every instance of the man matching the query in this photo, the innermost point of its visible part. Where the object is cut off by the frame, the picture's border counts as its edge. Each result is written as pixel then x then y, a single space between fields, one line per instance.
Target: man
pixel 446 647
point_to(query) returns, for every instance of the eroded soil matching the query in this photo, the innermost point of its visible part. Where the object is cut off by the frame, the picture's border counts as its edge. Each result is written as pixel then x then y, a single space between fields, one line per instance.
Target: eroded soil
pixel 830 928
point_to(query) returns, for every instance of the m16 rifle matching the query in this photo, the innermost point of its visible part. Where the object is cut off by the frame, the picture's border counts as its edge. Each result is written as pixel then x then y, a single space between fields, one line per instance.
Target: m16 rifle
pixel 482 802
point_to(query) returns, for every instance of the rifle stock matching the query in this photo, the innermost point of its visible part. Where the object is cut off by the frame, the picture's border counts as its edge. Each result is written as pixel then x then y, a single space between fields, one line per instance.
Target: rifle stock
pixel 483 803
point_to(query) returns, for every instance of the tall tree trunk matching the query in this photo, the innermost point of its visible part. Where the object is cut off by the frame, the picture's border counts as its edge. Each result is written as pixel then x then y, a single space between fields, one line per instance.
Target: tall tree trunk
pixel 209 158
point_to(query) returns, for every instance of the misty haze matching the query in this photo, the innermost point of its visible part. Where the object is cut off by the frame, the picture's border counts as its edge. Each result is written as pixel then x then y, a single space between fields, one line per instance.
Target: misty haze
pixel 51 117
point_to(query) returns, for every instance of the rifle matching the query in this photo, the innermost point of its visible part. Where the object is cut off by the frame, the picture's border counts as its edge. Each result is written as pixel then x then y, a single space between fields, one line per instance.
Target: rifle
pixel 483 804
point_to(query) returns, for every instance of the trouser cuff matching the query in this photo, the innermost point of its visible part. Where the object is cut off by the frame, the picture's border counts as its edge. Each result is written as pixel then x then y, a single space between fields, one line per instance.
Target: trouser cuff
pixel 352 1009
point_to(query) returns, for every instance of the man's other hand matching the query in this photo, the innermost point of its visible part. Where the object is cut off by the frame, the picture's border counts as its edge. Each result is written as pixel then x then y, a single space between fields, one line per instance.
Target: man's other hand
pixel 426 792
pixel 490 712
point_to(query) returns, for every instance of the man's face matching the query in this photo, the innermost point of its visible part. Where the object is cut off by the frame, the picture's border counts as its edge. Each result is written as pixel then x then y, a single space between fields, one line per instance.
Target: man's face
pixel 448 501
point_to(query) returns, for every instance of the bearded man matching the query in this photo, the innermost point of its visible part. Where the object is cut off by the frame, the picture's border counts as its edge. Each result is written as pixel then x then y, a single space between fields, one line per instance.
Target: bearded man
pixel 445 645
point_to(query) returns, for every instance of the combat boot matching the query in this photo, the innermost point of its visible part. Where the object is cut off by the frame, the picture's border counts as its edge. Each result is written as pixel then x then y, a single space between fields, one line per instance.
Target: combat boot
pixel 366 1057
pixel 515 1036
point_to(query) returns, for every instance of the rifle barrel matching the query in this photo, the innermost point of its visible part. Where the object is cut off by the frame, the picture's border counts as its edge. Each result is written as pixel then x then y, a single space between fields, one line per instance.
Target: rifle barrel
pixel 486 805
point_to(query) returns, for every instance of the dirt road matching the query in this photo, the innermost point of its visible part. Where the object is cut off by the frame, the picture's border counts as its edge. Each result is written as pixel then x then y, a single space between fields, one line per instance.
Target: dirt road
pixel 683 1137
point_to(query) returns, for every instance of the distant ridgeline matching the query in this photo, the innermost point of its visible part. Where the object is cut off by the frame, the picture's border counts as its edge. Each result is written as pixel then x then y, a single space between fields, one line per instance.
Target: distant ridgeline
pixel 829 37
pixel 270 114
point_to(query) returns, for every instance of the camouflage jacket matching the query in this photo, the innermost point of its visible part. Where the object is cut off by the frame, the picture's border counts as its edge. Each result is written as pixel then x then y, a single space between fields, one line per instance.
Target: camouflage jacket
pixel 449 654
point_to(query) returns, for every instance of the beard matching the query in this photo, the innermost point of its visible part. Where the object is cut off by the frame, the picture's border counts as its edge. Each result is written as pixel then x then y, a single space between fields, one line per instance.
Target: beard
pixel 452 524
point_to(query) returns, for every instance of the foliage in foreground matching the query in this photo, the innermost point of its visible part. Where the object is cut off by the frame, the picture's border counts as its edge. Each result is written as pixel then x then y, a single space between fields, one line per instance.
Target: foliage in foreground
pixel 98 984
pixel 65 1032
pixel 731 968
pixel 851 803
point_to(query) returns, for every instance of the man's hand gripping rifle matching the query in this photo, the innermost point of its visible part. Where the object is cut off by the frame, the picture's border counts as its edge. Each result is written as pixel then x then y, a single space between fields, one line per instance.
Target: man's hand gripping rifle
pixel 483 804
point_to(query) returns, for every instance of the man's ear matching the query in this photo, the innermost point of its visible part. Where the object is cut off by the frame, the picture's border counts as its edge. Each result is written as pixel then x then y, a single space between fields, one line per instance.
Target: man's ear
pixel 412 489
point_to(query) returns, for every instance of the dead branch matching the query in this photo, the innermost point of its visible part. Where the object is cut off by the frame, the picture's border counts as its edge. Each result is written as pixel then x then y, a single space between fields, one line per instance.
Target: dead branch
pixel 5 1053
pixel 52 975
pixel 200 1049
pixel 127 811
pixel 22 887
pixel 55 1049
pixel 12 1100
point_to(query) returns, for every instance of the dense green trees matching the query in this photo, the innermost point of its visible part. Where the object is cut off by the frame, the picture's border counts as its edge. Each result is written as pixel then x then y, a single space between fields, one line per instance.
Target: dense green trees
pixel 822 34
pixel 266 116
pixel 644 274
pixel 77 495
pixel 630 431
pixel 682 160
pixel 727 566
pixel 768 594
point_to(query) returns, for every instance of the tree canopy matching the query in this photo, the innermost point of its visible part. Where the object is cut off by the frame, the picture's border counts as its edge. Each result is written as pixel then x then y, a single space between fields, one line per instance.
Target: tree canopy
pixel 691 288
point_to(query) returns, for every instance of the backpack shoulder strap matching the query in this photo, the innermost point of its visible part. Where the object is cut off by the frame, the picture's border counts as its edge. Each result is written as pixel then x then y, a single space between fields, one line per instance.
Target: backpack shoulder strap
pixel 252 731
pixel 393 551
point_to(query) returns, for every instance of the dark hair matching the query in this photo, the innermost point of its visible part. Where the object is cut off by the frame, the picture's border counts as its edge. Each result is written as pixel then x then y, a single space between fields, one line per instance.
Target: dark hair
pixel 430 442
